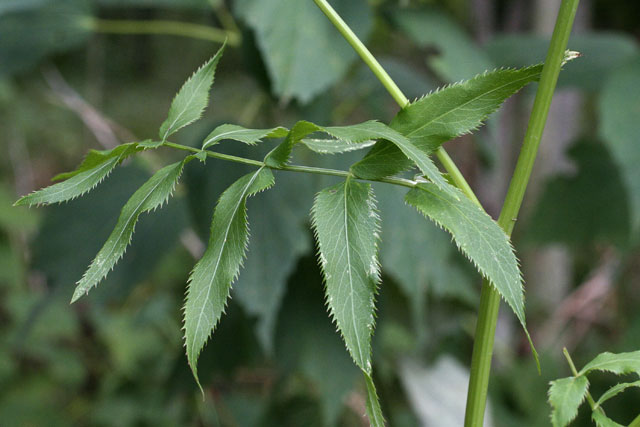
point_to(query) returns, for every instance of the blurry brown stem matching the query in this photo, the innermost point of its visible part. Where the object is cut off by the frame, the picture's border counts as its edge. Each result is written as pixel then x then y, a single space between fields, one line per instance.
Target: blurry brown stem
pixel 101 127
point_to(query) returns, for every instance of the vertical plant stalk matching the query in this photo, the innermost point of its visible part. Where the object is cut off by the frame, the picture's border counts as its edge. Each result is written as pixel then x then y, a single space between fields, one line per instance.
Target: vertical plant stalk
pixel 490 299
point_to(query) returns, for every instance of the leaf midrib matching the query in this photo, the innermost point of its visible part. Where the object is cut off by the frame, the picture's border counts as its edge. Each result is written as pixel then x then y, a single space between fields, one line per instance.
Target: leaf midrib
pixel 349 272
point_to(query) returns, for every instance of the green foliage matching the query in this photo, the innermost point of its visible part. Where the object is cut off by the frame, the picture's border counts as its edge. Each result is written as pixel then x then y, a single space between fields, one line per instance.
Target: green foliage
pixel 345 136
pixel 619 364
pixel 409 149
pixel 478 237
pixel 566 394
pixel 95 168
pixel 302 51
pixel 344 216
pixel 615 390
pixel 192 98
pixel 445 114
pixel 211 278
pixel 346 226
pixel 151 195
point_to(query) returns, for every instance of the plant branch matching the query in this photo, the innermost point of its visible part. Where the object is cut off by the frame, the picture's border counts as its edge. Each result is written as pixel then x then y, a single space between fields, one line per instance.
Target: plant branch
pixel 173 28
pixel 490 298
pixel 635 422
pixel 291 168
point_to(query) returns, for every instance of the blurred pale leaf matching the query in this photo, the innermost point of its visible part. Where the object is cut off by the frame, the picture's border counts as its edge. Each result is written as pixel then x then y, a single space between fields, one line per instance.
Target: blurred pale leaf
pixel 32 30
pixel 456 55
pixel 435 392
pixel 303 52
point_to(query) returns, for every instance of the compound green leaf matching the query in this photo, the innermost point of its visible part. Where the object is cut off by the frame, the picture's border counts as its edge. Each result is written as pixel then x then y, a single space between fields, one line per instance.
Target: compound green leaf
pixel 192 98
pixel 151 195
pixel 478 237
pixel 445 114
pixel 565 396
pixel 615 390
pixel 346 225
pixel 617 363
pixel 241 134
pixel 95 168
pixel 602 420
pixel 211 278
pixel 303 52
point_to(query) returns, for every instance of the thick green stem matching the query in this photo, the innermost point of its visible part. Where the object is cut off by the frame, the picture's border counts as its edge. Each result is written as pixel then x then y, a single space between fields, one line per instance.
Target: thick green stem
pixel 173 28
pixel 290 168
pixel 635 422
pixel 490 299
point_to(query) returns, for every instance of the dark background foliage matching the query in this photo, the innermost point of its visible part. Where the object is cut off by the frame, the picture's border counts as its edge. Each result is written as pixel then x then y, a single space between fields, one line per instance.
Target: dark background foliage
pixel 116 357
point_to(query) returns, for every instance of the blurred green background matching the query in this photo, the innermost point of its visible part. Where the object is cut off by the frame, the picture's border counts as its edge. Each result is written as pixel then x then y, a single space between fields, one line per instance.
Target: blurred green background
pixel 68 83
